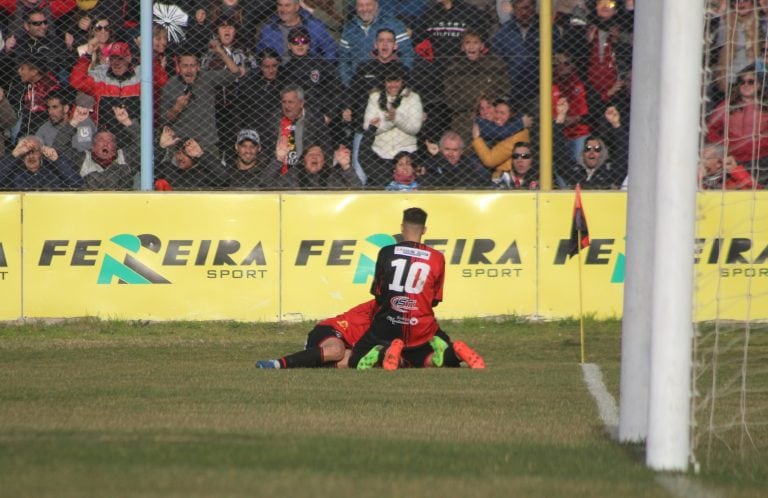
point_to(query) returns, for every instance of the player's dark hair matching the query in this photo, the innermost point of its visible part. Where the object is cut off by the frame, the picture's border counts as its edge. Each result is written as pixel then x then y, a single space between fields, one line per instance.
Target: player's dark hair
pixel 415 216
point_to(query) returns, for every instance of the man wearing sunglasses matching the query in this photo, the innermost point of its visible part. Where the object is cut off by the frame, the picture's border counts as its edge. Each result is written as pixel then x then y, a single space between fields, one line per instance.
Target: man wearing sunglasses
pixel 595 170
pixel 37 40
pixel 290 15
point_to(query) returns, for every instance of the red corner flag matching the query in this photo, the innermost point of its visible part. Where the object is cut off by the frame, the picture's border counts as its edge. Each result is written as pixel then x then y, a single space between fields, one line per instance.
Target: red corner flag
pixel 579 230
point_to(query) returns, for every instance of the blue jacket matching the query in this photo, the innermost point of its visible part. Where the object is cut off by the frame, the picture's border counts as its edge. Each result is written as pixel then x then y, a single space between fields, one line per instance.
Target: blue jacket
pixel 52 175
pixel 356 44
pixel 323 45
pixel 521 54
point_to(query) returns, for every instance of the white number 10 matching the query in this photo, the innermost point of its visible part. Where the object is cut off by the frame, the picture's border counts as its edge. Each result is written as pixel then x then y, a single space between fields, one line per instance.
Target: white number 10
pixel 414 282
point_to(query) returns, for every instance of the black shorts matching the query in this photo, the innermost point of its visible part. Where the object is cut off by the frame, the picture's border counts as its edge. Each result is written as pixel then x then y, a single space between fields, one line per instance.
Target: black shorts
pixel 417 357
pixel 414 357
pixel 320 334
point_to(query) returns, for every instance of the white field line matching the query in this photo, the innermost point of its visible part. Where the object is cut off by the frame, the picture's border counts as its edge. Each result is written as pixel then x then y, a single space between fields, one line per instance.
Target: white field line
pixel 677 485
pixel 606 405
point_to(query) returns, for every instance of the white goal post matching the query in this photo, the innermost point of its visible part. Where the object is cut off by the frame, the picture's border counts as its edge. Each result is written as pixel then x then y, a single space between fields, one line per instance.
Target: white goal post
pixel 663 332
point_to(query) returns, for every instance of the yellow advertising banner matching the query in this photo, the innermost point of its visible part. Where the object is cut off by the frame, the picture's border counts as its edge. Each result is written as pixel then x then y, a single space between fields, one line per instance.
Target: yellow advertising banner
pixel 10 257
pixel 601 283
pixel 156 256
pixel 330 244
pixel 731 256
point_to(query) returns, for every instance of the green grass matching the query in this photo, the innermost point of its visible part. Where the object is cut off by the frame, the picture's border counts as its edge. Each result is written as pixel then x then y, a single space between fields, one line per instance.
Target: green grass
pixel 94 408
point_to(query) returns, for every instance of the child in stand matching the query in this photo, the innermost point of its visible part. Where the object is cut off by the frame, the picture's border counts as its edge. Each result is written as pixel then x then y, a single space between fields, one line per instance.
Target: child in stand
pixel 404 174
pixel 504 124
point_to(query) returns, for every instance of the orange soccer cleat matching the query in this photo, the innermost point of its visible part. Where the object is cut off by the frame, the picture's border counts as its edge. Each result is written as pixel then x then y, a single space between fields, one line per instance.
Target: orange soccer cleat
pixel 468 355
pixel 392 356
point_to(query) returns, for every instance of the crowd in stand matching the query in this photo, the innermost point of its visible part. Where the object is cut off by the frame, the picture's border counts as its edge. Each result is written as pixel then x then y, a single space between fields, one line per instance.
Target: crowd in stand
pixel 349 94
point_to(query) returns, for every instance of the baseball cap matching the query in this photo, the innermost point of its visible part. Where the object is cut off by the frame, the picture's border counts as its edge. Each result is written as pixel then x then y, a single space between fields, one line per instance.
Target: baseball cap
pixel 84 100
pixel 118 49
pixel 248 135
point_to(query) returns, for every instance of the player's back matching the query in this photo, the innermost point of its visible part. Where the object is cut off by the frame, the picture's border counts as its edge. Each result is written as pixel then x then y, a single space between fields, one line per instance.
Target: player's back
pixel 408 283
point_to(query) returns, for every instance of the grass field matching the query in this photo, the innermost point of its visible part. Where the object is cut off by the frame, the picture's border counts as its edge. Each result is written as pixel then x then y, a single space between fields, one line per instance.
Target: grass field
pixel 94 408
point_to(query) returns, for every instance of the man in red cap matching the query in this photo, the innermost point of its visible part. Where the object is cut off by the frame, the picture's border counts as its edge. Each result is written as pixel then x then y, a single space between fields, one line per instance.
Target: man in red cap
pixel 117 84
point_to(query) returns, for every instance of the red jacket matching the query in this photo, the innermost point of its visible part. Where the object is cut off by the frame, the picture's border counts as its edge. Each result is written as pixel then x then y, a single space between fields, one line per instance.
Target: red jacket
pixel 103 86
pixel 747 138
pixel 58 7
pixel 601 71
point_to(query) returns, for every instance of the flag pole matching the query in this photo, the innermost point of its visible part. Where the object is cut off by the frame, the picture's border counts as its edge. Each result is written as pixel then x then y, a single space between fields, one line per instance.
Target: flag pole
pixel 581 307
pixel 578 241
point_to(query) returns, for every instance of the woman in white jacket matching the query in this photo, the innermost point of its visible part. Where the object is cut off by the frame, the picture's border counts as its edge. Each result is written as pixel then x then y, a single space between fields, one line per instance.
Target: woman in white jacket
pixel 394 116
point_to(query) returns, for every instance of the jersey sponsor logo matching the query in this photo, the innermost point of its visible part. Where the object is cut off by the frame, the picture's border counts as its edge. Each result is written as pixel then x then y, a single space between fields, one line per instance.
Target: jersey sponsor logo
pixel 399 320
pixel 412 252
pixel 402 304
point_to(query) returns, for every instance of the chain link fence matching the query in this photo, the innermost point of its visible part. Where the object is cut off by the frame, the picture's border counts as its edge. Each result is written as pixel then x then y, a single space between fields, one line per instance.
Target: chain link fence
pixel 319 94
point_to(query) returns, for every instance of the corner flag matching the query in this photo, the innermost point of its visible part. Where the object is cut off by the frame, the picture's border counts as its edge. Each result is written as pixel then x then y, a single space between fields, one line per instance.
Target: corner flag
pixel 579 230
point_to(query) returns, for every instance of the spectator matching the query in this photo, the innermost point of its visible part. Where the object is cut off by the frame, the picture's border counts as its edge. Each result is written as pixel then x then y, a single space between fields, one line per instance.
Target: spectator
pixel 449 167
pixel 113 159
pixel 738 41
pixel 37 40
pixel 34 166
pixel 100 35
pixel 317 77
pixel 264 85
pixel 498 158
pixel 316 175
pixel 393 116
pixel 718 171
pixel 186 165
pixel 606 50
pixel 568 85
pixel 8 119
pixel 189 100
pixel 441 30
pixel 359 35
pixel 289 15
pixel 475 73
pixel 503 124
pixel 370 74
pixel 403 174
pixel 295 128
pixel 227 96
pixel 250 169
pixel 330 12
pixel 58 105
pixel 741 123
pixel 29 95
pixel 115 85
pixel 523 175
pixel 595 170
pixel 517 43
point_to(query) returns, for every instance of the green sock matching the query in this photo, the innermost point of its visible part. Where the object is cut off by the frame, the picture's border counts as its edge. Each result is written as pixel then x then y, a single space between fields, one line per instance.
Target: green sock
pixel 370 359
pixel 439 346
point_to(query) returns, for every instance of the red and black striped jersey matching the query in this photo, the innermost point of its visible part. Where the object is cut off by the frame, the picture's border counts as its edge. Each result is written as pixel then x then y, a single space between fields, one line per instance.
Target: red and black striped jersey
pixel 353 323
pixel 407 284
